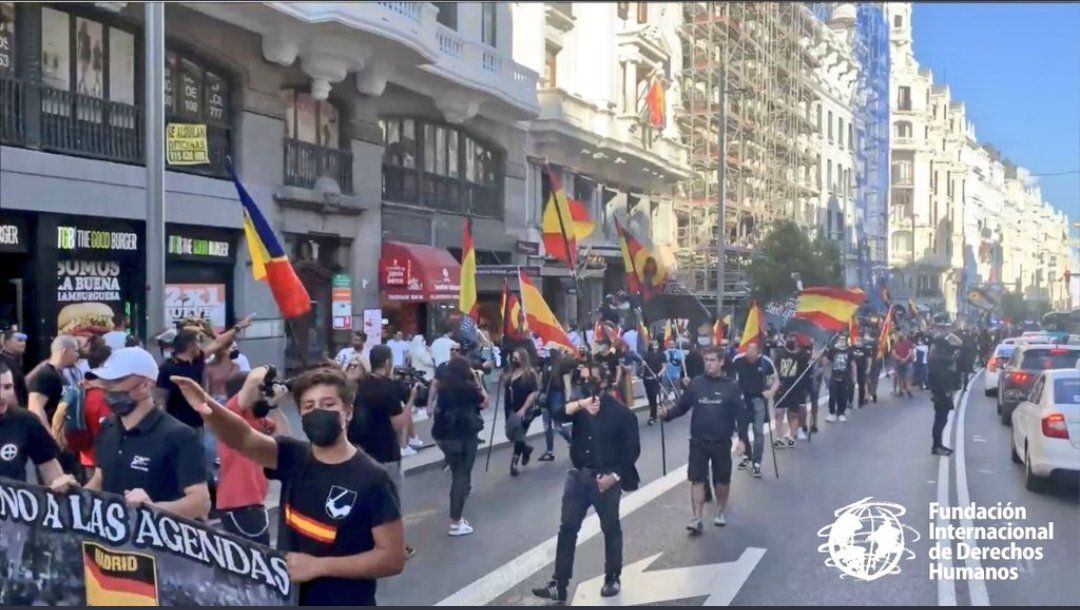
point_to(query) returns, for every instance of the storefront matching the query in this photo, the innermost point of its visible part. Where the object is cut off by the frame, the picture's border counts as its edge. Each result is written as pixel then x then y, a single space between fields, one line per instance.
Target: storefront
pixel 199 274
pixel 16 275
pixel 419 286
pixel 86 272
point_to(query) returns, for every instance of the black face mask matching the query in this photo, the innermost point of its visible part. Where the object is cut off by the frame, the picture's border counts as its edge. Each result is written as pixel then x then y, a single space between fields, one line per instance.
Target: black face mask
pixel 791 345
pixel 120 403
pixel 322 426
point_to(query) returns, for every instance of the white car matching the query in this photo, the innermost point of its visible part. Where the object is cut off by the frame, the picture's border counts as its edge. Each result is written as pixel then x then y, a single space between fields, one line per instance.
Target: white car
pixel 1046 428
pixel 994 366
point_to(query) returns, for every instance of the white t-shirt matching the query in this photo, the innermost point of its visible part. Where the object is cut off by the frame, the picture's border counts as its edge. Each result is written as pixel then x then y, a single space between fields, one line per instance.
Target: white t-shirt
pixel 115 339
pixel 440 349
pixel 921 352
pixel 348 353
pixel 398 349
pixel 575 338
pixel 630 337
pixel 243 363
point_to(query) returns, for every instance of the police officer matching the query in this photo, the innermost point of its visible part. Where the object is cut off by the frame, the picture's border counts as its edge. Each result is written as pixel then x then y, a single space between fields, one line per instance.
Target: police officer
pixel 944 380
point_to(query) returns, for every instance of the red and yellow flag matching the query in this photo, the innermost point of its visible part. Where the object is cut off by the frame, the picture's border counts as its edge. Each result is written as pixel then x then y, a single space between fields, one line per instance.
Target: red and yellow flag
pixel 884 341
pixel 718 331
pixel 557 223
pixel 669 336
pixel 754 327
pixel 268 259
pixel 467 297
pixel 854 329
pixel 118 578
pixel 539 316
pixel 645 273
pixel 513 323
pixel 654 101
pixel 828 308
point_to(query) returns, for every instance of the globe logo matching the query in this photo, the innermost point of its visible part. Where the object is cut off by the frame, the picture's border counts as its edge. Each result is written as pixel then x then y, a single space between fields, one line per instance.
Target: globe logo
pixel 867 540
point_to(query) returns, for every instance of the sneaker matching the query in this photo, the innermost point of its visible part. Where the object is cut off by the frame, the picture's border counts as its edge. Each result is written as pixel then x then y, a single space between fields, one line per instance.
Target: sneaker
pixel 873 397
pixel 801 434
pixel 553 591
pixel 779 443
pixel 611 588
pixel 744 463
pixel 813 429
pixel 719 520
pixel 790 443
pixel 416 443
pixel 757 471
pixel 547 457
pixel 943 451
pixel 695 526
pixel 843 418
pixel 406 451
pixel 830 418
pixel 461 529
pixel 525 455
pixel 409 552
pixel 652 420
pixel 514 471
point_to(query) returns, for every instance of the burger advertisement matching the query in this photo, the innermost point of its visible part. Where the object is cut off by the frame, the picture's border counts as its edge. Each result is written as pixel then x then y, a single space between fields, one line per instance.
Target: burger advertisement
pixel 89 294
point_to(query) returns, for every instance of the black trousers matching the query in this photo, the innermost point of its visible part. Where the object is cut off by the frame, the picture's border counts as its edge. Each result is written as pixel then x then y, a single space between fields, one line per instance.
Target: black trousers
pixel 652 392
pixel 460 456
pixel 838 396
pixel 942 405
pixel 860 373
pixel 579 493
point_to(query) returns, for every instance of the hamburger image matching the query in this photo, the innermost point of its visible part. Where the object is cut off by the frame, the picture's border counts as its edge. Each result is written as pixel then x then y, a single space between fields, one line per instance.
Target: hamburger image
pixel 81 319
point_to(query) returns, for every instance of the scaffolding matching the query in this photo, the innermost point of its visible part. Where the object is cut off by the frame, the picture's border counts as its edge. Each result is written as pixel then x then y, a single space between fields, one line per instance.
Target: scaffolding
pixel 771 153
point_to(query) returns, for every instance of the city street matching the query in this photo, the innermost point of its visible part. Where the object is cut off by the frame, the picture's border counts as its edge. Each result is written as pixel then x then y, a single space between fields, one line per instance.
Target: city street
pixel 770 545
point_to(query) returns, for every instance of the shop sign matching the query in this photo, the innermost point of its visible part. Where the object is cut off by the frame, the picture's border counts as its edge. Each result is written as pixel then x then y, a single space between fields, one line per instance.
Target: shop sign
pixel 341 301
pixel 185 144
pixel 198 301
pixel 500 270
pixel 90 294
pixel 191 246
pixel 12 236
pixel 373 326
pixel 397 272
pixel 445 282
pixel 74 238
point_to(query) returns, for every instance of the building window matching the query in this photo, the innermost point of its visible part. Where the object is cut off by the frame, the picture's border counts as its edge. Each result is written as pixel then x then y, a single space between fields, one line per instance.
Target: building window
pixel 313 142
pixel 195 93
pixel 904 98
pixel 840 131
pixel 440 167
pixel 642 12
pixel 897 22
pixel 828 176
pixel 850 138
pixel 623 9
pixel 830 127
pixel 902 173
pixel 903 129
pixel 447 14
pixel 818 117
pixel 551 57
pixel 488 23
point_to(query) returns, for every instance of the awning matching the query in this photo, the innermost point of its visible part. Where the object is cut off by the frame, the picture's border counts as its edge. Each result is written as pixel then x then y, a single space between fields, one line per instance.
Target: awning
pixel 416 272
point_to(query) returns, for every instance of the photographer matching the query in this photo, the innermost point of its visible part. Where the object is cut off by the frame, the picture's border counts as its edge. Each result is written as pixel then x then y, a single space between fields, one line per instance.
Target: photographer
pixel 242 486
pixel 457 421
pixel 340 521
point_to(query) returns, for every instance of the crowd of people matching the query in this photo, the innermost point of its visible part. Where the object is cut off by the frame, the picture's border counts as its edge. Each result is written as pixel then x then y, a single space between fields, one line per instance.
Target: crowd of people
pixel 198 431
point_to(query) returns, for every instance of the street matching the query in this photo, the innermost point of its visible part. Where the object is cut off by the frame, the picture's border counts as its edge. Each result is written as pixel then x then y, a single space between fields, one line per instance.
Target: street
pixel 768 552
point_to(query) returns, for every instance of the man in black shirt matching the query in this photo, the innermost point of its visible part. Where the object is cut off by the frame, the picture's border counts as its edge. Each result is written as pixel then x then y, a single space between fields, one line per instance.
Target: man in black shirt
pixel 46 384
pixel 860 353
pixel 603 449
pixel 841 376
pixel 753 372
pixel 340 520
pixel 142 452
pixel 22 436
pixel 717 403
pixel 12 348
pixel 791 369
pixel 378 413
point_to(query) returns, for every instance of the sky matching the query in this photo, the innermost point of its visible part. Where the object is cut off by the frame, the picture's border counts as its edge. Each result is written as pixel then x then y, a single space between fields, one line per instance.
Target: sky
pixel 1016 66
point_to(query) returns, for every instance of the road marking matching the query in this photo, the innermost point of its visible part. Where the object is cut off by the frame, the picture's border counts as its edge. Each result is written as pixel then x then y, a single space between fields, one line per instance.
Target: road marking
pixel 720 581
pixel 976 588
pixel 946 589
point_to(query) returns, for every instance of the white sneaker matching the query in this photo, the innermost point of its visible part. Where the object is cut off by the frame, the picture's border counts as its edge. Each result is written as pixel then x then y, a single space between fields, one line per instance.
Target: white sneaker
pixel 843 418
pixel 406 451
pixel 719 520
pixel 801 435
pixel 830 418
pixel 461 529
pixel 416 443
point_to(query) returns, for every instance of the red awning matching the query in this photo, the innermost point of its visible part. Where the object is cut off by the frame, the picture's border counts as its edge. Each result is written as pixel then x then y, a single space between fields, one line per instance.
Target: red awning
pixel 415 272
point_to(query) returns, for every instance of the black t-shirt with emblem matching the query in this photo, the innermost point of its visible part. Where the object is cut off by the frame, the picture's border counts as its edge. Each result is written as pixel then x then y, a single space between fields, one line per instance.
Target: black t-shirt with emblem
pixel 22 436
pixel 329 510
pixel 790 366
pixel 841 362
pixel 159 455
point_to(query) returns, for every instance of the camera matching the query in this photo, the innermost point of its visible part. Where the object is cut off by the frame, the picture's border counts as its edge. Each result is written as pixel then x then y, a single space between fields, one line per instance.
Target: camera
pixel 407 377
pixel 271 380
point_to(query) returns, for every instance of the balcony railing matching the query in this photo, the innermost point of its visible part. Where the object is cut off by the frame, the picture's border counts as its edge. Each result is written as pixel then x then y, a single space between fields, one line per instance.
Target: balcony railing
pixel 305 163
pixel 412 10
pixel 443 193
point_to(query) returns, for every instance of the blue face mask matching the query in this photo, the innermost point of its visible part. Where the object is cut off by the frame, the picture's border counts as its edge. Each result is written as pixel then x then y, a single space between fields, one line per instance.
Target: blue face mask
pixel 120 403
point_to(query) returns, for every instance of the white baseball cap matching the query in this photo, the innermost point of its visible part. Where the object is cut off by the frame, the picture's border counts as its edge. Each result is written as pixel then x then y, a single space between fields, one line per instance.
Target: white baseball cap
pixel 128 361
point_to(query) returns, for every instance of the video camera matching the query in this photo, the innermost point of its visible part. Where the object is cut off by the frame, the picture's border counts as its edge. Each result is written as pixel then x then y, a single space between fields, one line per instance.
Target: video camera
pixel 407 377
pixel 271 380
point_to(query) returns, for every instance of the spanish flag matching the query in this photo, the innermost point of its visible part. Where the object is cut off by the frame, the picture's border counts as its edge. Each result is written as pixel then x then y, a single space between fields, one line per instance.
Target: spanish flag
pixel 467 297
pixel 539 316
pixel 645 273
pixel 118 578
pixel 754 327
pixel 654 102
pixel 828 308
pixel 513 326
pixel 884 341
pixel 718 331
pixel 268 259
pixel 557 223
pixel 853 329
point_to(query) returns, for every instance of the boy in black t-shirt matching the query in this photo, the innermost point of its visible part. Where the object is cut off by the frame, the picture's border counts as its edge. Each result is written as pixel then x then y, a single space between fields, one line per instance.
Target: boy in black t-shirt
pixel 340 519
pixel 791 366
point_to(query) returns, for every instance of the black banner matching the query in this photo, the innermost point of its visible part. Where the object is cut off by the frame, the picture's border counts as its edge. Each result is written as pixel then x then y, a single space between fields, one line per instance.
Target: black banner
pixel 89 548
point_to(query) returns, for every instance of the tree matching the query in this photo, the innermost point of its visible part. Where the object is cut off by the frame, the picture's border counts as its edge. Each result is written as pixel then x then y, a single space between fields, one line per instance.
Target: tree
pixel 786 250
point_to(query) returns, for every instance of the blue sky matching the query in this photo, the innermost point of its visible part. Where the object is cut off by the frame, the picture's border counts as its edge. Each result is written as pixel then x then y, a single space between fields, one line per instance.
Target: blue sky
pixel 1017 68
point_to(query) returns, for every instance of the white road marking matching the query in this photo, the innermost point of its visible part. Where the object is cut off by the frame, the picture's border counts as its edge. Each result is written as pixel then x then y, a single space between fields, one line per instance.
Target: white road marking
pixel 946 589
pixel 719 581
pixel 976 588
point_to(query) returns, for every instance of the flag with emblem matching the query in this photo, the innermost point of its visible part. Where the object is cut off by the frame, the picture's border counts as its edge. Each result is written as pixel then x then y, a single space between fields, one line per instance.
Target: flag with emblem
pixel 118 578
pixel 754 327
pixel 827 307
pixel 539 316
pixel 557 223
pixel 467 295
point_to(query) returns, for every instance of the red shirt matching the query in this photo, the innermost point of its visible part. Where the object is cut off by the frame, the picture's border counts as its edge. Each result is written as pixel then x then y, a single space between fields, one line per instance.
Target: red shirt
pixel 94 412
pixel 241 482
pixel 902 349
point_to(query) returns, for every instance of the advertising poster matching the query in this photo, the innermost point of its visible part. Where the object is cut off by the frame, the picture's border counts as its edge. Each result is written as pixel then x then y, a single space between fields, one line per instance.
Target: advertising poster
pixel 121 66
pixel 90 549
pixel 185 144
pixel 89 294
pixel 55 49
pixel 203 301
pixel 341 301
pixel 373 326
pixel 7 36
pixel 90 68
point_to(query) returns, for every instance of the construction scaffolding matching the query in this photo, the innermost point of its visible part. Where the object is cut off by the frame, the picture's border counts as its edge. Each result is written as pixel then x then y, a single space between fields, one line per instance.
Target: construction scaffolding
pixel 765 48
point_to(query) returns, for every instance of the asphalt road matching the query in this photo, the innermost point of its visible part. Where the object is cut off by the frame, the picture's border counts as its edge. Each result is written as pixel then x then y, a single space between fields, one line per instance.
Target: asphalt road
pixel 771 543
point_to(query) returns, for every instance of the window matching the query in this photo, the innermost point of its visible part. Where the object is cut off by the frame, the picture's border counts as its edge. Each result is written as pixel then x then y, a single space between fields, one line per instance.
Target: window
pixel 85 57
pixel 902 171
pixel 840 131
pixel 487 34
pixel 830 127
pixel 196 93
pixel 310 120
pixel 818 117
pixel 904 98
pixel 623 9
pixel 903 129
pixel 551 57
pixel 850 136
pixel 7 37
pixel 897 22
pixel 447 14
pixel 817 175
pixel 828 176
pixel 642 12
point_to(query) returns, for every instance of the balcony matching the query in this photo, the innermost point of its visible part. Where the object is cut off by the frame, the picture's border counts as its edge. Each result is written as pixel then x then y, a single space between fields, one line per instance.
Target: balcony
pixel 643 41
pixel 906 143
pixel 305 163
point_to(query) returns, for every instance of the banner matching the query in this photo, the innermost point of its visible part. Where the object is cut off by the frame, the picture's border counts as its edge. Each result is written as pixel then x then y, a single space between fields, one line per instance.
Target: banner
pixel 185 144
pixel 778 313
pixel 89 548
pixel 341 301
pixel 202 301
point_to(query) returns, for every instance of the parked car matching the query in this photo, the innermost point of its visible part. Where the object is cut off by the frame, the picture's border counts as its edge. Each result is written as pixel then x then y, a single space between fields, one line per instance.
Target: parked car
pixel 994 365
pixel 1025 364
pixel 1046 429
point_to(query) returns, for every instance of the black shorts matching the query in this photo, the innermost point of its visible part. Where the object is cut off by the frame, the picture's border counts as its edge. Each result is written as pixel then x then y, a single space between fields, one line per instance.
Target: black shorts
pixel 701 454
pixel 793 400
